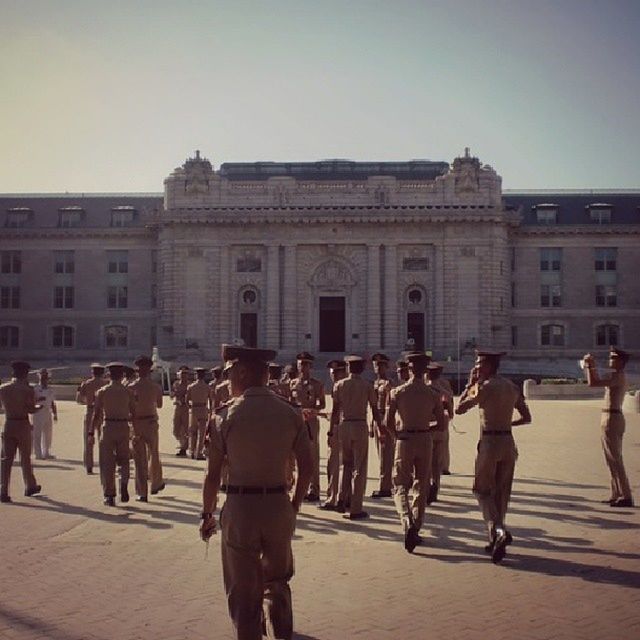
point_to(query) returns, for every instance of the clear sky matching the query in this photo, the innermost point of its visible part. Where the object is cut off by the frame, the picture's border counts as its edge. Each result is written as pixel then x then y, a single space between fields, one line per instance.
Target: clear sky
pixel 112 95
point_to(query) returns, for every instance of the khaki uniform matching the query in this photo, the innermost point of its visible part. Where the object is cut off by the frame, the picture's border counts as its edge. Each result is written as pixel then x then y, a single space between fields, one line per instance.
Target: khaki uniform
pixel 333 463
pixel 257 433
pixel 222 394
pixel 497 453
pixel 613 427
pixel 354 395
pixel 440 437
pixel 386 447
pixel 309 394
pixel 87 395
pixel 147 396
pixel 180 413
pixel 114 405
pixel 416 404
pixel 18 399
pixel 198 395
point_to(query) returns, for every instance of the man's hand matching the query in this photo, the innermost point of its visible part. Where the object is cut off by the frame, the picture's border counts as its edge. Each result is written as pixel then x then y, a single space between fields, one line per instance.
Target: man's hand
pixel 208 528
pixel 371 433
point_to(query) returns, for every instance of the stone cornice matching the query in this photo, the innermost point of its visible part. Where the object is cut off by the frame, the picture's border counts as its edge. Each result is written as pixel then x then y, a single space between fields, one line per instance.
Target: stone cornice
pixel 578 229
pixel 69 233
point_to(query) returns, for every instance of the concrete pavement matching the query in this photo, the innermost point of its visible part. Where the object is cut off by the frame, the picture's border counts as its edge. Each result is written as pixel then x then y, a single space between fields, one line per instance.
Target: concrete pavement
pixel 76 570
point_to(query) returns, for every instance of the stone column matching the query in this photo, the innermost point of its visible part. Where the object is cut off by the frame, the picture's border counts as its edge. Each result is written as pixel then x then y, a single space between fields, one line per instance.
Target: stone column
pixel 392 339
pixel 273 298
pixel 373 298
pixel 290 300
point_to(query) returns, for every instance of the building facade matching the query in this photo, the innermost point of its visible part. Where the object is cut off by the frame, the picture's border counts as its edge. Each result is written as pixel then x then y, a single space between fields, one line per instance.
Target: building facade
pixel 330 257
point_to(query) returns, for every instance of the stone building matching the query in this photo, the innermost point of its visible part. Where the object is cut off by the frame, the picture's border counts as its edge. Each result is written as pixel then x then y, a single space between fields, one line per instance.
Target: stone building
pixel 332 256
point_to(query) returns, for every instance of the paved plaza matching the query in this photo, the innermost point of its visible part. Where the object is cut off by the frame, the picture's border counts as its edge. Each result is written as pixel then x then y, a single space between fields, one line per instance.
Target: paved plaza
pixel 73 569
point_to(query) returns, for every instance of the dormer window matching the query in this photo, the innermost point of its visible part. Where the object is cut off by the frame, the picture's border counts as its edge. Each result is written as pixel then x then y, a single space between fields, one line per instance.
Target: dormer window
pixel 546 213
pixel 70 217
pixel 600 213
pixel 123 216
pixel 18 217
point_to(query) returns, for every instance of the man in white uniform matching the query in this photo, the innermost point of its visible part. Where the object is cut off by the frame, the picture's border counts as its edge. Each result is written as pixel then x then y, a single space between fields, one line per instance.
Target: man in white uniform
pixel 44 418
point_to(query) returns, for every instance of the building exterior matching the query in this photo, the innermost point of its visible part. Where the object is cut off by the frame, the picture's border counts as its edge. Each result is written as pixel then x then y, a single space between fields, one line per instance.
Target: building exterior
pixel 331 257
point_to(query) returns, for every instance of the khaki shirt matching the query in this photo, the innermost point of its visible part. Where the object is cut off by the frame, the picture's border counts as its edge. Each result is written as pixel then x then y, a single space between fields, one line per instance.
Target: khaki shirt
pixel 115 402
pixel 496 397
pixel 354 395
pixel 308 393
pixel 198 394
pixel 18 399
pixel 147 395
pixel 416 404
pixel 257 433
pixel 442 386
pixel 87 390
pixel 178 392
pixel 222 393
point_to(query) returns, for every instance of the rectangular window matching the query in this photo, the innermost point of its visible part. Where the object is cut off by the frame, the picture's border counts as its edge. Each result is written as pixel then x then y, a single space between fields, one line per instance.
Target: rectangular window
pixel 513 294
pixel 415 264
pixel 9 337
pixel 607 335
pixel 10 261
pixel 116 336
pixel 154 296
pixel 552 335
pixel 547 216
pixel 606 258
pixel 64 262
pixel 600 215
pixel 117 297
pixel 122 216
pixel 606 296
pixel 18 218
pixel 9 297
pixel 550 258
pixel 62 336
pixel 63 297
pixel 69 218
pixel 550 295
pixel 248 264
pixel 118 261
pixel 514 336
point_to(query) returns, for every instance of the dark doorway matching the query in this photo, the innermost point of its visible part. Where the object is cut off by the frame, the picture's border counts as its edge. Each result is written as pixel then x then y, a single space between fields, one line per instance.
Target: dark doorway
pixel 332 323
pixel 249 329
pixel 415 329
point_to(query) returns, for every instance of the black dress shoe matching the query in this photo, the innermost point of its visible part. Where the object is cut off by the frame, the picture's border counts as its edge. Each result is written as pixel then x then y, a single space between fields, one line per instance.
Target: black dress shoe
pixel 446 473
pixel 362 515
pixel 5 499
pixel 33 490
pixel 158 490
pixel 608 501
pixel 327 506
pixel 124 493
pixel 142 499
pixel 381 494
pixel 109 501
pixel 411 539
pixel 182 453
pixel 432 496
pixel 499 548
pixel 340 507
pixel 622 502
pixel 311 497
pixel 89 472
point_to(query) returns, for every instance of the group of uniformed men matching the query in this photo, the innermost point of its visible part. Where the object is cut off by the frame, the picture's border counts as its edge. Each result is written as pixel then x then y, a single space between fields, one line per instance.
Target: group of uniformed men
pixel 257 425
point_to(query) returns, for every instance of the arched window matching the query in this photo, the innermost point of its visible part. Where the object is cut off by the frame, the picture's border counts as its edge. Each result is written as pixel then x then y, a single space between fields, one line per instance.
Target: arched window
pixel 249 306
pixel 9 337
pixel 62 336
pixel 415 304
pixel 552 335
pixel 607 335
pixel 116 336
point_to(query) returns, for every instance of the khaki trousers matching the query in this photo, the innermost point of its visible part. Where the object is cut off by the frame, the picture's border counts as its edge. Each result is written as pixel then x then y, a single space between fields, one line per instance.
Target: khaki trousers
pixel 257 563
pixel 333 468
pixel 181 425
pixel 386 452
pixel 42 433
pixel 313 426
pixel 440 441
pixel 114 450
pixel 412 468
pixel 16 437
pixel 198 430
pixel 87 456
pixel 495 464
pixel 354 445
pixel 613 427
pixel 446 463
pixel 146 455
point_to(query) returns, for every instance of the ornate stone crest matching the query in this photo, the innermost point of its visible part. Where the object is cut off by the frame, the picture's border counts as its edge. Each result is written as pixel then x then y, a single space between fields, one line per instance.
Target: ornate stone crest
pixel 332 274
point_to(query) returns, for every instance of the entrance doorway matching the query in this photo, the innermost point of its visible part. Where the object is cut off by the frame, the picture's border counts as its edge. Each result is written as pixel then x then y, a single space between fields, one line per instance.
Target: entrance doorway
pixel 249 329
pixel 415 329
pixel 332 323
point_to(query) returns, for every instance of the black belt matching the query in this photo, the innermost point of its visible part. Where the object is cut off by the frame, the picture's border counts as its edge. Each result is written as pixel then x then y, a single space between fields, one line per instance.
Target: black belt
pixel 414 431
pixel 231 488
pixel 612 411
pixel 200 404
pixel 146 418
pixel 354 419
pixel 493 432
pixel 16 417
pixel 116 419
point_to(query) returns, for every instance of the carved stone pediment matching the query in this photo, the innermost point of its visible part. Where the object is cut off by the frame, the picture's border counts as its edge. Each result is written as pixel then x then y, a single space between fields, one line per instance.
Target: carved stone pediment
pixel 332 274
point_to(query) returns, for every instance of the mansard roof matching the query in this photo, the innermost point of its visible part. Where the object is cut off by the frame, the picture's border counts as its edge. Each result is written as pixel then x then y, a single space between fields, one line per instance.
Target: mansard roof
pixel 573 206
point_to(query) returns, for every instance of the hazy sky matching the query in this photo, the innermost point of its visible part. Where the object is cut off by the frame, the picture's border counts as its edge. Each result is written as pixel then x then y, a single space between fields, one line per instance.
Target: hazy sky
pixel 112 95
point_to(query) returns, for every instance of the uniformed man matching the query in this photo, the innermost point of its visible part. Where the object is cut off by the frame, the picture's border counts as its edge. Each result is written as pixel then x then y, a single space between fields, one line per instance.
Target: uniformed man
pixel 114 408
pixel 129 375
pixel 275 380
pixel 497 397
pixel 147 396
pixel 417 405
pixel 44 417
pixel 613 423
pixel 440 437
pixel 181 410
pixel 86 394
pixel 222 393
pixel 351 397
pixel 197 397
pixel 402 371
pixel 19 400
pixel 385 447
pixel 256 433
pixel 308 393
pixel 216 379
pixel 337 371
